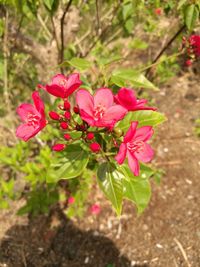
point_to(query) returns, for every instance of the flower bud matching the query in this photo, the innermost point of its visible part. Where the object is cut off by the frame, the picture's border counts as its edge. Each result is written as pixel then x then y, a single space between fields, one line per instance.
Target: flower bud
pixel 76 110
pixel 71 200
pixel 54 116
pixel 95 209
pixel 89 136
pixel 95 147
pixel 58 147
pixel 67 137
pixel 64 125
pixel 118 132
pixel 67 105
pixel 67 115
pixel 188 63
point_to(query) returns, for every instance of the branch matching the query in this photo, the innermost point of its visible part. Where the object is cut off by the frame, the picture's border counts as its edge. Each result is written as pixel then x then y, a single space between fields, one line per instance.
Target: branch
pixel 165 48
pixel 62 30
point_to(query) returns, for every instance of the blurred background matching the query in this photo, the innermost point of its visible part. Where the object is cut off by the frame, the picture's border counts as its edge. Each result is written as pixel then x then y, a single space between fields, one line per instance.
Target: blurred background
pixel 40 38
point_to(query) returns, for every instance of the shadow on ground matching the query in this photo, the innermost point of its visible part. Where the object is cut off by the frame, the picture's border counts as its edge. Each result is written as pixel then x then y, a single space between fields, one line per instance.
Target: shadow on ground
pixel 55 241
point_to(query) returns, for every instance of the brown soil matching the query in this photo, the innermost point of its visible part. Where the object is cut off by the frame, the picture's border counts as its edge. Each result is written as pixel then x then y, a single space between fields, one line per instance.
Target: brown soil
pixel 167 234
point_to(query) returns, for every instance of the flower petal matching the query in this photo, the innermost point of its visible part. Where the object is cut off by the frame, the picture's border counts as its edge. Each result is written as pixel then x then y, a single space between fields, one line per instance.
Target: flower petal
pixel 140 105
pixel 55 90
pixel 114 113
pixel 25 132
pixel 86 117
pixel 126 97
pixel 146 154
pixel 133 163
pixel 57 79
pixel 85 101
pixel 120 157
pixel 103 97
pixel 73 83
pixel 24 109
pixel 38 103
pixel 144 133
pixel 131 132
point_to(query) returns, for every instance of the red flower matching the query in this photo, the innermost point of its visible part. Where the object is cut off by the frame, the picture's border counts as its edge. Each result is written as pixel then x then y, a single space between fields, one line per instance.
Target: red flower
pixel 63 86
pixel 135 147
pixel 126 98
pixel 33 117
pixel 99 110
pixel 194 41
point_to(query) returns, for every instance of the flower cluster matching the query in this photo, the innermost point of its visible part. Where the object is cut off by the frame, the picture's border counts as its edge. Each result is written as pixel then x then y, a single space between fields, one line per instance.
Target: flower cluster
pixel 193 48
pixel 90 115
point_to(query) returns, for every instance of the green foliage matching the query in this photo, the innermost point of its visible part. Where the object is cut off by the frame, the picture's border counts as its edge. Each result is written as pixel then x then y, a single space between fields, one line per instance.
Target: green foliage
pixel 122 77
pixel 191 14
pixel 144 117
pixel 110 182
pixel 197 127
pixel 69 164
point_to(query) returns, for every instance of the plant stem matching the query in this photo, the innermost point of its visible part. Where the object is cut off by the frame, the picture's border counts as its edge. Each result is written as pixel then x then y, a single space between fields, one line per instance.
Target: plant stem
pixel 165 48
pixel 159 62
pixel 62 31
pixel 5 54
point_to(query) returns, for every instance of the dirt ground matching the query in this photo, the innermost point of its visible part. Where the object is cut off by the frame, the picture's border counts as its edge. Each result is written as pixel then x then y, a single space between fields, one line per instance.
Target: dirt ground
pixel 167 234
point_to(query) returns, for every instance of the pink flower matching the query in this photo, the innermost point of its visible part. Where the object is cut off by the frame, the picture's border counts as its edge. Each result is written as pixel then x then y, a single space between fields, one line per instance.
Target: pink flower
pixel 63 86
pixel 134 146
pixel 194 41
pixel 33 117
pixel 126 98
pixel 99 110
pixel 95 209
pixel 71 200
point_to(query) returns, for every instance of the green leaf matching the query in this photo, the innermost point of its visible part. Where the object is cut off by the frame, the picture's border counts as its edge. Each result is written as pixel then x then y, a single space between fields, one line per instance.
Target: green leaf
pixel 144 117
pixel 78 63
pixel 110 181
pixel 190 16
pixel 181 3
pixel 71 164
pixel 51 5
pixel 123 77
pixel 136 189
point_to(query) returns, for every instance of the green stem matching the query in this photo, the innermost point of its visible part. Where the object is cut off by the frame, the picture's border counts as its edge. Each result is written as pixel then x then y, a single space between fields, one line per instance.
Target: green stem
pixel 159 62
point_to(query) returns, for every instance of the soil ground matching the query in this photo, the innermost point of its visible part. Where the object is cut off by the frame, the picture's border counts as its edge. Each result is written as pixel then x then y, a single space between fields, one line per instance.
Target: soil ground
pixel 167 234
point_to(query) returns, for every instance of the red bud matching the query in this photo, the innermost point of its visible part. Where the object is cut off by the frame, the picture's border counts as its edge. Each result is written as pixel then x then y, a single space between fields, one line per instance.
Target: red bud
pixel 58 147
pixel 90 136
pixel 54 116
pixel 95 147
pixel 67 136
pixel 64 125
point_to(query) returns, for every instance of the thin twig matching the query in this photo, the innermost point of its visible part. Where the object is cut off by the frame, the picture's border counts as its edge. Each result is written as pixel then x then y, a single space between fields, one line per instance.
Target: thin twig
pixel 165 47
pixel 40 19
pixel 5 54
pixel 55 36
pixel 97 17
pixel 62 30
pixel 183 252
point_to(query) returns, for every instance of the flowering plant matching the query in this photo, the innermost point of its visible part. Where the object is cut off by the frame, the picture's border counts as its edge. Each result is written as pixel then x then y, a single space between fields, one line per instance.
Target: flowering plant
pixel 102 128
